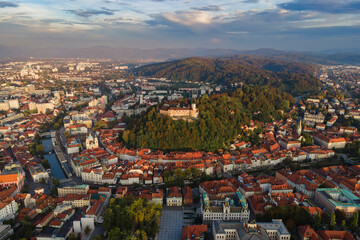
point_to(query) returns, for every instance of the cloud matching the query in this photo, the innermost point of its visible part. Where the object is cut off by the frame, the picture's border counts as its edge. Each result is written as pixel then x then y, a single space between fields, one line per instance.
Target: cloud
pixel 215 40
pixel 164 0
pixel 187 23
pixel 238 32
pixel 326 6
pixel 268 22
pixel 116 2
pixel 210 8
pixel 185 18
pixel 236 24
pixel 8 4
pixel 121 21
pixel 251 1
pixel 91 12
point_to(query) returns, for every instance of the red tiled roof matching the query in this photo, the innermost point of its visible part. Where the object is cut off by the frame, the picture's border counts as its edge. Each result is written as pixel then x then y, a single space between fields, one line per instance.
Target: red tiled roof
pixel 339 235
pixel 193 232
pixel 307 232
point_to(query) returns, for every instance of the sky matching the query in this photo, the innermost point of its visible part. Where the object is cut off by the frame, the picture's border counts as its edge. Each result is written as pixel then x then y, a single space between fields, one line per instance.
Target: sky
pixel 242 24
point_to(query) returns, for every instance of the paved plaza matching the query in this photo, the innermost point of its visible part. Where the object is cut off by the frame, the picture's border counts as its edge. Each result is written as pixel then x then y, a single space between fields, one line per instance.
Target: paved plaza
pixel 171 223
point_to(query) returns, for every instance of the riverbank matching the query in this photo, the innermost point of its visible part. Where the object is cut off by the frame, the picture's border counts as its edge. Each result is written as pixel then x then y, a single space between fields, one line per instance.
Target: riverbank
pixel 60 155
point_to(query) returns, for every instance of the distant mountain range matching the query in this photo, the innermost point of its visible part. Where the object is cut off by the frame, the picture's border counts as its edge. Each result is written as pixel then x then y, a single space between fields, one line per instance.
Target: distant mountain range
pixel 333 56
pixel 119 53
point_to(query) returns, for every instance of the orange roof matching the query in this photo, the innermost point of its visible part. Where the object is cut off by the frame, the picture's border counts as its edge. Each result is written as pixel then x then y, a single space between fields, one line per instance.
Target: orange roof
pixel 215 187
pixel 8 178
pixel 307 232
pixel 7 193
pixel 55 223
pixel 193 231
pixel 94 209
pixel 340 235
pixel 104 189
pixel 174 192
pixel 337 140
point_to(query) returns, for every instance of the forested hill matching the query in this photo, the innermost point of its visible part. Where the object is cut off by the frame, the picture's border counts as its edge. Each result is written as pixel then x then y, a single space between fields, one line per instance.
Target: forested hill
pixel 292 77
pixel 219 122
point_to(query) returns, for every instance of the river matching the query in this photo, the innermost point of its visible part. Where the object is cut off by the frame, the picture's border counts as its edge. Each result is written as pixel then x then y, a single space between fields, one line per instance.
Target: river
pixel 55 166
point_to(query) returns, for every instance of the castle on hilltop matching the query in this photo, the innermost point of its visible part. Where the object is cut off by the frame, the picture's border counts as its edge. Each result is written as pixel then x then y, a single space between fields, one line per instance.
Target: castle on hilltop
pixel 186 113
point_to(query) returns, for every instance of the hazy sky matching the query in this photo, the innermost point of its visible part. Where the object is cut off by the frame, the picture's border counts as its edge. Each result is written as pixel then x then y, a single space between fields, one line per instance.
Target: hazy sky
pixel 241 24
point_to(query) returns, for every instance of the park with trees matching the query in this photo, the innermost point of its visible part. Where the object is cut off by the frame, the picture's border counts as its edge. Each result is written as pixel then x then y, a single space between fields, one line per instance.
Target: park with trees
pixel 130 218
pixel 221 118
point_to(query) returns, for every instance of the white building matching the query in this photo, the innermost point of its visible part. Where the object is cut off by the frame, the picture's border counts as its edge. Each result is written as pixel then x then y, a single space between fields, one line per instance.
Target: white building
pixel 225 211
pixel 331 199
pixel 87 222
pixel 77 189
pixel 43 107
pixel 330 143
pixel 77 129
pixel 312 119
pixel 157 197
pixel 289 144
pixel 8 209
pixel 237 231
pixel 32 106
pixel 38 173
pixel 73 146
pixel 4 106
pixel 174 196
pixel 80 118
pixel 129 179
pixel 92 175
pixel 274 230
pixel 14 103
pixel 77 201
pixel 5 231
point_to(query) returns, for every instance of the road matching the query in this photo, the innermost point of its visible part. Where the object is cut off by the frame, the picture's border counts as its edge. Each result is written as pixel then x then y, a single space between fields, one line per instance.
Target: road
pixel 346 159
pixel 99 230
pixel 35 185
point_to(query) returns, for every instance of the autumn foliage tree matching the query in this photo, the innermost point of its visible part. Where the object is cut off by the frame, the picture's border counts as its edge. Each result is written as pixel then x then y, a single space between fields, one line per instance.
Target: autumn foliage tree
pixel 127 218
pixel 332 220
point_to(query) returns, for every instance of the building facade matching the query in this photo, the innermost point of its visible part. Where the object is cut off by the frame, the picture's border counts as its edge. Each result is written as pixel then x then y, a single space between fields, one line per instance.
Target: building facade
pixel 235 209
pixel 8 209
pixel 178 112
pixel 274 230
pixel 92 142
pixel 78 189
pixel 331 199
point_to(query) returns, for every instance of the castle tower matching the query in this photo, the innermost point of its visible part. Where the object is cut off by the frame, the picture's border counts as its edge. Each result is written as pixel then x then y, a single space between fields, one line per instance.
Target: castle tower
pixel 299 128
pixel 194 113
pixel 193 106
